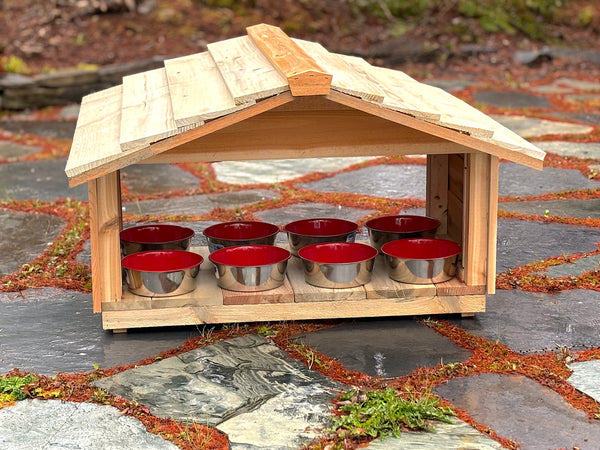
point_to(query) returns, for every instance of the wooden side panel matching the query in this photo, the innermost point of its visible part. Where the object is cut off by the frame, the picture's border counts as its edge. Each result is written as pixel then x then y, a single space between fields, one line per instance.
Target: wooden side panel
pixel 437 190
pixel 477 219
pixel 493 225
pixel 304 75
pixel 96 138
pixel 247 72
pixel 147 114
pixel 198 91
pixel 346 78
pixel 105 224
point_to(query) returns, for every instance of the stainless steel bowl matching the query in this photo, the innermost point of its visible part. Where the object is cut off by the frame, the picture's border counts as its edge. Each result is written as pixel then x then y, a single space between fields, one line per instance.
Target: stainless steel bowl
pixel 337 264
pixel 314 231
pixel 249 232
pixel 155 237
pixel 391 228
pixel 161 273
pixel 421 260
pixel 250 268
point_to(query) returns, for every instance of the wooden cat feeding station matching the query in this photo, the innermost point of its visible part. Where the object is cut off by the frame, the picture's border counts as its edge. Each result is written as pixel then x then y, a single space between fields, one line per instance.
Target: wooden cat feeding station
pixel 267 96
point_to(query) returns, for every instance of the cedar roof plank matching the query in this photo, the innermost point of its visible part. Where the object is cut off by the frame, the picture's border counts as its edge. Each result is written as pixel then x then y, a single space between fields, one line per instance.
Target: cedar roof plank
pixel 248 74
pixel 146 114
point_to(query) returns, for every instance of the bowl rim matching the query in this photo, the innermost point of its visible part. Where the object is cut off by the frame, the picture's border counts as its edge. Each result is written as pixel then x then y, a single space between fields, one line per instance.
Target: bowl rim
pixel 123 234
pixel 161 258
pixel 302 253
pixel 349 223
pixel 410 245
pixel 281 254
pixel 208 230
pixel 372 224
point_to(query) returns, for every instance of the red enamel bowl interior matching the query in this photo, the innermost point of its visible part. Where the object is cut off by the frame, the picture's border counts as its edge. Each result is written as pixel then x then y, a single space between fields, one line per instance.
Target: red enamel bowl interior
pixel 241 231
pixel 249 255
pixel 403 224
pixel 421 248
pixel 337 252
pixel 161 261
pixel 153 234
pixel 321 227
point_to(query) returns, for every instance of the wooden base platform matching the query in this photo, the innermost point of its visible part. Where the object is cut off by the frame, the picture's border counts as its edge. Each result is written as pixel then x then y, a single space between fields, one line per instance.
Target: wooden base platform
pixel 294 300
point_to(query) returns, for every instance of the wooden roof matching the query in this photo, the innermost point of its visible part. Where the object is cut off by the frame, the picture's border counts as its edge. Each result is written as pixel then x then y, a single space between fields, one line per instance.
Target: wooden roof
pixel 237 79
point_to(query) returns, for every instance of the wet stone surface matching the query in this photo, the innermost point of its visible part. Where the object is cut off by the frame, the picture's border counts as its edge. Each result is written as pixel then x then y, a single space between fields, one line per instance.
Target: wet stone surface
pixel 504 99
pixel 11 150
pixel 528 127
pixel 582 150
pixel 155 178
pixel 385 348
pixel 231 384
pixel 52 424
pixel 24 236
pixel 517 180
pixel 491 399
pixel 277 170
pixel 455 436
pixel 54 330
pixel 392 181
pixel 40 180
pixel 198 204
pixel 585 377
pixel 563 208
pixel 537 323
pixel 523 242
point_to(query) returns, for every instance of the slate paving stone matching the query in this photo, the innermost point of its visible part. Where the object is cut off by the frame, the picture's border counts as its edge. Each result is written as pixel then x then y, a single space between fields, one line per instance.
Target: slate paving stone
pixel 245 386
pixel 70 112
pixel 585 377
pixel 54 129
pixel 579 149
pixel 518 180
pixel 564 208
pixel 278 170
pixel 574 269
pixel 155 178
pixel 528 127
pixel 40 180
pixel 11 150
pixel 520 409
pixel 287 214
pixel 385 348
pixel 52 330
pixel 198 204
pixel 452 84
pixel 530 322
pixel 583 98
pixel 24 236
pixel 522 242
pixel 52 424
pixel 448 436
pixel 392 181
pixel 504 99
pixel 591 118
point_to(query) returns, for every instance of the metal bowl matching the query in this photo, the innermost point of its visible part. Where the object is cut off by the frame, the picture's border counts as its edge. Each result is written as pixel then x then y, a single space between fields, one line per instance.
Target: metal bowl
pixel 421 260
pixel 155 237
pixel 313 231
pixel 390 228
pixel 250 268
pixel 161 273
pixel 337 264
pixel 228 234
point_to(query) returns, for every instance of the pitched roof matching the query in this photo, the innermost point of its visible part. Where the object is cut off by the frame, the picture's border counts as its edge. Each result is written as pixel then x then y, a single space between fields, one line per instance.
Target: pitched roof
pixel 236 79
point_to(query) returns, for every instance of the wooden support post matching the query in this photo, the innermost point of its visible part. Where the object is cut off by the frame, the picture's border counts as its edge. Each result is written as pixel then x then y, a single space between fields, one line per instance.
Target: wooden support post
pixel 478 193
pixel 493 225
pixel 105 224
pixel 437 190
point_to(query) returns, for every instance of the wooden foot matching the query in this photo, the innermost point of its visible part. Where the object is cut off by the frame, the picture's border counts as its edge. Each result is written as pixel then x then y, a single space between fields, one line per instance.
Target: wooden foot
pixel 467 314
pixel 119 330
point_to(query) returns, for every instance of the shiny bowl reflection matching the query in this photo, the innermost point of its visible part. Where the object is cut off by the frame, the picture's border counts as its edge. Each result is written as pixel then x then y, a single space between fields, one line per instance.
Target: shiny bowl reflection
pixel 421 260
pixel 337 264
pixel 390 228
pixel 161 273
pixel 249 232
pixel 250 268
pixel 155 237
pixel 313 231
